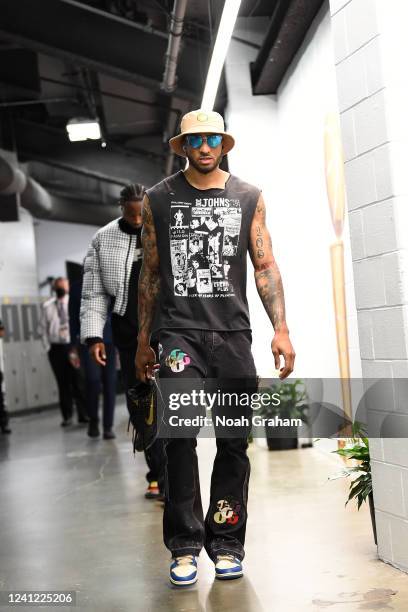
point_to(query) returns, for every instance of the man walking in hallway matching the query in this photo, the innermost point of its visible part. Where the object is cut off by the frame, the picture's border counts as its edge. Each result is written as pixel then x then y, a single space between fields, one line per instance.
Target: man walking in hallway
pixel 111 273
pixel 212 218
pixel 99 380
pixel 63 356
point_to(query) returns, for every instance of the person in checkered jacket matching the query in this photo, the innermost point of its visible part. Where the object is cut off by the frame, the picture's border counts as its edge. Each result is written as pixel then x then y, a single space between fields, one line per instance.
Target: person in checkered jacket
pixel 110 284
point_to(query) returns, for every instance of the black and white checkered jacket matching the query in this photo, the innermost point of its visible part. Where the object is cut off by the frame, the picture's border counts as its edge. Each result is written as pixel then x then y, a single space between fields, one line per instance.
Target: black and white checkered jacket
pixel 107 268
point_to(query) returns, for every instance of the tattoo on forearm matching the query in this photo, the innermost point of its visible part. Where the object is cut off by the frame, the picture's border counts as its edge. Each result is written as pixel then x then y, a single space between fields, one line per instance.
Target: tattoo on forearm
pixel 147 215
pixel 149 279
pixel 149 287
pixel 259 242
pixel 270 289
pixel 267 275
pixel 260 208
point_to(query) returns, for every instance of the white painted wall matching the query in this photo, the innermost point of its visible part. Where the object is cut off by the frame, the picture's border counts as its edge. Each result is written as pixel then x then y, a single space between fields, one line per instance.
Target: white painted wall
pixel 28 378
pixel 280 148
pixel 371 46
pixel 18 275
pixel 58 242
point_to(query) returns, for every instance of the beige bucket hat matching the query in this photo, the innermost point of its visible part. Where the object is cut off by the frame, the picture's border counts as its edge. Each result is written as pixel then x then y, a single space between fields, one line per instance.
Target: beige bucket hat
pixel 201 121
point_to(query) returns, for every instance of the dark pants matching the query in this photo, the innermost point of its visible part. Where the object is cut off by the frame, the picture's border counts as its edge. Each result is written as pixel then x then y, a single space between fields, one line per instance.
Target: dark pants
pixel 221 360
pixel 4 417
pixel 154 454
pixel 100 378
pixel 68 381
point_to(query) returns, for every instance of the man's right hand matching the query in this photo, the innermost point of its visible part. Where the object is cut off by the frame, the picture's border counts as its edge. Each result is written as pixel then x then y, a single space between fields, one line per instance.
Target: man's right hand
pixel 98 353
pixel 145 363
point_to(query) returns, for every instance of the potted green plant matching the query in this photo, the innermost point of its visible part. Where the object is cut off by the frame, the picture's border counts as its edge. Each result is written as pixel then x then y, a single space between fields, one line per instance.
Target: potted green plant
pixel 361 488
pixel 292 397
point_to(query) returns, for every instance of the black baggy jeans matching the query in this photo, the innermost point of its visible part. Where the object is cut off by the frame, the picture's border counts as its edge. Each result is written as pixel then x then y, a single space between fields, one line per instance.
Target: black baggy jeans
pixel 224 359
pixel 68 381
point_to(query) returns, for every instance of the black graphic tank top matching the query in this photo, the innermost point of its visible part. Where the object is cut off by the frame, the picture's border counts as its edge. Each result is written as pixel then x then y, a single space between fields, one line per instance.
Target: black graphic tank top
pixel 202 239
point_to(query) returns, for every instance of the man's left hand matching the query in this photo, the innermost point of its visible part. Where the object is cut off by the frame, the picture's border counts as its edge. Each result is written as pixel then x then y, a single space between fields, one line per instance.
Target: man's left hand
pixel 281 345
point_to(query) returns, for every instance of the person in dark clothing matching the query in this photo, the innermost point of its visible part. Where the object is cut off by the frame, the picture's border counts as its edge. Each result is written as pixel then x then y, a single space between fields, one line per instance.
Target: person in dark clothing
pixel 101 378
pixel 4 417
pixel 206 335
pixel 97 378
pixel 111 274
pixel 62 353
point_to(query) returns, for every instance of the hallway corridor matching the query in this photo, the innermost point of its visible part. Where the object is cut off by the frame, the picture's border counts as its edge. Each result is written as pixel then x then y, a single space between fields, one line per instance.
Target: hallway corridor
pixel 73 516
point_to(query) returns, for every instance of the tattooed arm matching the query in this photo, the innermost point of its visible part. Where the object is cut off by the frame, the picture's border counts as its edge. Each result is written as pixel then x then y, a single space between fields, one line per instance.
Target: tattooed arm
pixel 269 284
pixel 148 291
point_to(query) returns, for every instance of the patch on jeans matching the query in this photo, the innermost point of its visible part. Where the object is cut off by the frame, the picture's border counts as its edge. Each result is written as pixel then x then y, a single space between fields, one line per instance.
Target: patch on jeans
pixel 177 360
pixel 228 512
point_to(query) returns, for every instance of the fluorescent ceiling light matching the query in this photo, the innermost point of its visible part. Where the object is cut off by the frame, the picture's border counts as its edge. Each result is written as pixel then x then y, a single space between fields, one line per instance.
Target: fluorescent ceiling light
pixel 227 23
pixel 83 129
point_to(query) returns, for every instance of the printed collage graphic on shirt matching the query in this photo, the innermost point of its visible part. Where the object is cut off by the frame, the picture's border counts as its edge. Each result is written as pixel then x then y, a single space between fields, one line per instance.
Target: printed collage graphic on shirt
pixel 203 238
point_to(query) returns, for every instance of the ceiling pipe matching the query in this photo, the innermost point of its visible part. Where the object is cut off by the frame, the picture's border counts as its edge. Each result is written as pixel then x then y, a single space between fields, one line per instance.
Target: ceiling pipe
pixel 98 176
pixel 36 102
pixel 43 205
pixel 69 210
pixel 12 179
pixel 169 81
pixel 32 196
pixel 114 96
pixel 36 199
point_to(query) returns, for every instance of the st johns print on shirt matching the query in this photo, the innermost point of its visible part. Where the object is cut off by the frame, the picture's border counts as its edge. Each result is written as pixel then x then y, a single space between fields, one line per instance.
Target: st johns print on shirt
pixel 203 238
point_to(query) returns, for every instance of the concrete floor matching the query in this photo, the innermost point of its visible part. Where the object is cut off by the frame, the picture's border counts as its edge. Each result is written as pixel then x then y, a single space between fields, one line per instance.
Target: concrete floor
pixel 73 516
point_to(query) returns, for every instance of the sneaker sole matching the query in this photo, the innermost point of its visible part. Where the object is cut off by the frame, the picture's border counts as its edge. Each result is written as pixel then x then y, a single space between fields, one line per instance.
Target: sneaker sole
pixel 229 576
pixel 184 582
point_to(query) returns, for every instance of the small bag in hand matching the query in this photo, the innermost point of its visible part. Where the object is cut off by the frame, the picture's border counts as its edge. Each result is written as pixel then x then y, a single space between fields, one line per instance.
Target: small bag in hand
pixel 143 415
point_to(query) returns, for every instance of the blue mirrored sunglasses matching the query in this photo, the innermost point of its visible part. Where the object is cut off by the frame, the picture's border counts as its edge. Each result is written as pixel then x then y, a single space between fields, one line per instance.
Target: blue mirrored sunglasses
pixel 196 140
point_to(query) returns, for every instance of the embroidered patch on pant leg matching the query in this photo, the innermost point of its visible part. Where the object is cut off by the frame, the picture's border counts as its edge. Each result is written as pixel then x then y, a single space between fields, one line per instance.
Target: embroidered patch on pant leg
pixel 228 512
pixel 177 360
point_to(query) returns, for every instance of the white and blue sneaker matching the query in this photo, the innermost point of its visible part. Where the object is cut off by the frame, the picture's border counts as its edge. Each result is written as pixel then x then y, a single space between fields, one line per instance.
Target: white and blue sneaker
pixel 228 567
pixel 183 570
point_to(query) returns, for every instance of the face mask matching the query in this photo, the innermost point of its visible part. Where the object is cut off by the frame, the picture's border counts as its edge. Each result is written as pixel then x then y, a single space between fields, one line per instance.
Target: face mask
pixel 60 292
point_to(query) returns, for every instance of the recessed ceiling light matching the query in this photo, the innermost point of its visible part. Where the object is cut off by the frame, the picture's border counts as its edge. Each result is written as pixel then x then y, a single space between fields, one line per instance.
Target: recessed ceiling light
pixel 83 129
